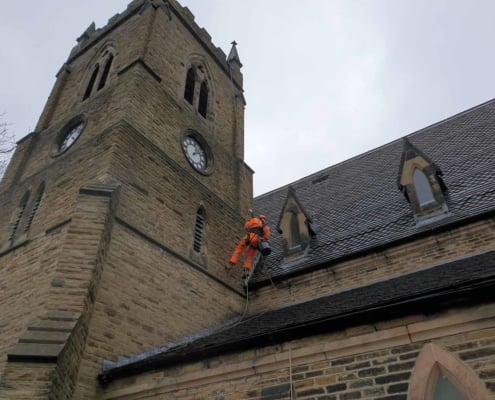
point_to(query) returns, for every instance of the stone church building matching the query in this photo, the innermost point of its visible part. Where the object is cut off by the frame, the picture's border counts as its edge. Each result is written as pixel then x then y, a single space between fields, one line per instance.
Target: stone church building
pixel 119 213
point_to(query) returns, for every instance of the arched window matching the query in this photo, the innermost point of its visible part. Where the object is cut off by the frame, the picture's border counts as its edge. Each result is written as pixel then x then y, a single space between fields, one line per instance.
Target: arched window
pixel 439 375
pixel 423 188
pixel 101 70
pixel 295 235
pixel 445 390
pixel 199 229
pixel 198 89
pixel 190 83
pixel 106 70
pixel 91 82
pixel 203 99
pixel 18 216
pixel 34 208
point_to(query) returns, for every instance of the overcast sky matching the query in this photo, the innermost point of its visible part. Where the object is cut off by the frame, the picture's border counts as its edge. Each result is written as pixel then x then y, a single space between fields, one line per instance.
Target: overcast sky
pixel 324 80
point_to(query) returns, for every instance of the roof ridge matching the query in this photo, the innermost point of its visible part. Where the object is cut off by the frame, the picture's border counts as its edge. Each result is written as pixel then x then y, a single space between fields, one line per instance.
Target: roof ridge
pixel 443 121
pixel 361 155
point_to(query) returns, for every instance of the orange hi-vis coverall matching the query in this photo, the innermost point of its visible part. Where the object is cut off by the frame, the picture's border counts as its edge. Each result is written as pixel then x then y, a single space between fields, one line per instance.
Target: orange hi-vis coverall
pixel 256 230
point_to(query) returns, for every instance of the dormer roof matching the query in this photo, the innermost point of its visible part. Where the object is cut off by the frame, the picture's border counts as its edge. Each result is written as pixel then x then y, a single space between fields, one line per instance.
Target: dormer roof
pixel 420 181
pixel 409 151
pixel 356 204
pixel 291 195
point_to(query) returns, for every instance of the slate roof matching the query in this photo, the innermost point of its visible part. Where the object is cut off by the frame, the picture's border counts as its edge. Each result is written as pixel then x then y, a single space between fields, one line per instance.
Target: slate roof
pixel 357 206
pixel 470 280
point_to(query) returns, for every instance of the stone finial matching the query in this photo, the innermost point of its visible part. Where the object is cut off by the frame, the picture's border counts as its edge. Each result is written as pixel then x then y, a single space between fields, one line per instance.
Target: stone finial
pixel 87 33
pixel 233 57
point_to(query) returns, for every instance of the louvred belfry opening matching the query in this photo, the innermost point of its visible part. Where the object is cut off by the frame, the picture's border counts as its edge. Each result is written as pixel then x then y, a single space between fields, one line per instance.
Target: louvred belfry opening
pixel 199 229
pixel 35 207
pixel 20 213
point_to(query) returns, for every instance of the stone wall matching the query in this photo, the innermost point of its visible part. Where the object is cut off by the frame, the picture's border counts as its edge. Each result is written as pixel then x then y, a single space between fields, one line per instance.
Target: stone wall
pixel 394 261
pixel 354 364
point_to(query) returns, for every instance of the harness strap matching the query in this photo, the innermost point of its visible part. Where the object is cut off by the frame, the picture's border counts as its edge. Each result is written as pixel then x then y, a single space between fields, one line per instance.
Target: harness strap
pixel 258 231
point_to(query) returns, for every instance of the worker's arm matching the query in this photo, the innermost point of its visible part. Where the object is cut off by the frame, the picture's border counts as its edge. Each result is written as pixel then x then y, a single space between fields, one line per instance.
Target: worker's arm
pixel 266 232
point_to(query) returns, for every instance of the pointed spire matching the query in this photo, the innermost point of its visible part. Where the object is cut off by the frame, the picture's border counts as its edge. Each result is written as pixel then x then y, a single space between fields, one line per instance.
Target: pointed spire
pixel 233 56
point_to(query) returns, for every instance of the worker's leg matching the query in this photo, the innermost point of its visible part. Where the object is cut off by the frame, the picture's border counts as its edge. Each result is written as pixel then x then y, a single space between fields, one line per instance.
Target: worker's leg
pixel 234 259
pixel 251 250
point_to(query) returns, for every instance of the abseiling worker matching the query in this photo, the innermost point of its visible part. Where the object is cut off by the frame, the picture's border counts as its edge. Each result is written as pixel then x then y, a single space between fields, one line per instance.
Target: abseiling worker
pixel 257 235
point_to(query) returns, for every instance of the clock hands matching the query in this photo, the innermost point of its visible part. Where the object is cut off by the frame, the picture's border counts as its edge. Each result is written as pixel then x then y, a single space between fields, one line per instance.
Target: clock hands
pixel 195 153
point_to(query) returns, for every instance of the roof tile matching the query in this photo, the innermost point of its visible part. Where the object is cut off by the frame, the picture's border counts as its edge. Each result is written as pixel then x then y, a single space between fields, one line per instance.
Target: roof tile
pixel 357 206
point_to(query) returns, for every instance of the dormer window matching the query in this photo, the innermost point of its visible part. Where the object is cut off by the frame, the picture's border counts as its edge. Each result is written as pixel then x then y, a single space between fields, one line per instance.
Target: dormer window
pixel 422 188
pixel 197 89
pixel 420 180
pixel 295 227
pixel 295 233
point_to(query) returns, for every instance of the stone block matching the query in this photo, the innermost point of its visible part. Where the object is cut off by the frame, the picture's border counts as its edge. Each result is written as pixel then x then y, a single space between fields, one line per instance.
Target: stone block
pixel 35 352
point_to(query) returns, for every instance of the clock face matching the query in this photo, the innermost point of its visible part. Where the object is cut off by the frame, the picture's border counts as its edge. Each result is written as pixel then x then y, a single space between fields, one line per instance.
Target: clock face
pixel 70 137
pixel 195 153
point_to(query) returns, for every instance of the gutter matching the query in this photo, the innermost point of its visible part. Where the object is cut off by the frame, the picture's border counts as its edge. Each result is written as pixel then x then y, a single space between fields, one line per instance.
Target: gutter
pixel 466 293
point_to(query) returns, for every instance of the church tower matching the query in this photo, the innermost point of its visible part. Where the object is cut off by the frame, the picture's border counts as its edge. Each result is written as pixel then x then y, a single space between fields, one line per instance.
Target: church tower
pixel 120 210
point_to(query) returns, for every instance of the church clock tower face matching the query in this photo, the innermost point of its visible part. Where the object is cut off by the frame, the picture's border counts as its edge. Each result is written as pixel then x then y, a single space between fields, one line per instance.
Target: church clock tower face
pixel 69 137
pixel 197 153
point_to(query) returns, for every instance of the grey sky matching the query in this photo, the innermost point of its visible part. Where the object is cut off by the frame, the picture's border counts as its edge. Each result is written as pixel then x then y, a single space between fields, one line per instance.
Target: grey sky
pixel 324 80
